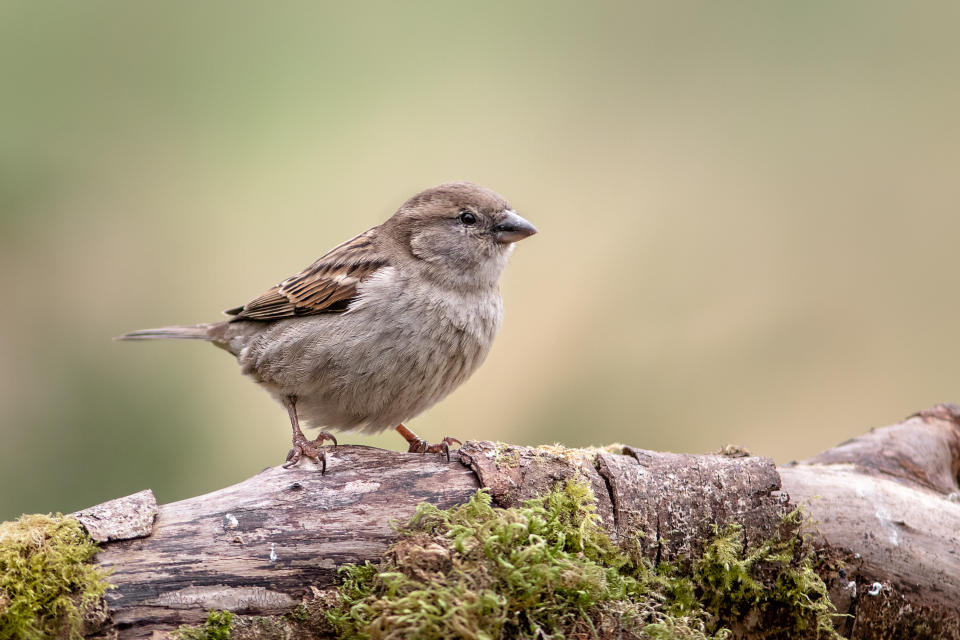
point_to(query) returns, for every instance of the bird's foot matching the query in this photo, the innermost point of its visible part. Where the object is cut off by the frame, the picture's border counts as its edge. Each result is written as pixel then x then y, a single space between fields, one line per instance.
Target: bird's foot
pixel 422 446
pixel 312 449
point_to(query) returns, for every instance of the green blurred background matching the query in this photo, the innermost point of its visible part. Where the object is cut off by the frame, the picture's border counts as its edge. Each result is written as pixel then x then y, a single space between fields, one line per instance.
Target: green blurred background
pixel 748 217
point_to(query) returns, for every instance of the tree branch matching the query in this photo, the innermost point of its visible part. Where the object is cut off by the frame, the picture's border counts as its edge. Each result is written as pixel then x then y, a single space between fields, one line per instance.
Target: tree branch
pixel 883 507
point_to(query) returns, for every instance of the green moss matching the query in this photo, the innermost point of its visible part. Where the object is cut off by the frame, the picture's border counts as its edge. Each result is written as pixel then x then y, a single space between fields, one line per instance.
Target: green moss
pixel 547 569
pixel 47 587
pixel 217 627
pixel 306 620
pixel 300 614
pixel 775 582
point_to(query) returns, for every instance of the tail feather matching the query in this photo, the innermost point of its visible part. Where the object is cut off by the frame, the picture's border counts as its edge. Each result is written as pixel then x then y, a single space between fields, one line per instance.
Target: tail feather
pixel 188 332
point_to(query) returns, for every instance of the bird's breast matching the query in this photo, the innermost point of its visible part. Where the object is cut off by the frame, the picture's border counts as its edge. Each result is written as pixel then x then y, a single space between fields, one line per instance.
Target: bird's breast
pixel 428 335
pixel 408 303
pixel 397 350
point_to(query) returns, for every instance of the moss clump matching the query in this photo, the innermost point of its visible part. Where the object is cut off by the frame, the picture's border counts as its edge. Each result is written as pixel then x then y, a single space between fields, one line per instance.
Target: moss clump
pixel 217 627
pixel 774 584
pixel 47 588
pixel 478 572
pixel 547 569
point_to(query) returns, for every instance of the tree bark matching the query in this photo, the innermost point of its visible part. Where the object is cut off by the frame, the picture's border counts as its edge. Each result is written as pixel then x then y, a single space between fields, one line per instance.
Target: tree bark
pixel 884 506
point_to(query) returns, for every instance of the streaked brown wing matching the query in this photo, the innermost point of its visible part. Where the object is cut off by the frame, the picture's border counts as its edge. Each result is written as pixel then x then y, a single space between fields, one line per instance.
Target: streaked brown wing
pixel 326 286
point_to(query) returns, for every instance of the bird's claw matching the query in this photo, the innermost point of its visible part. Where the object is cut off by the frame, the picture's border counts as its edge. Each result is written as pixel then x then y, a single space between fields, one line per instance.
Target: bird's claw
pixel 422 446
pixel 323 435
pixel 311 449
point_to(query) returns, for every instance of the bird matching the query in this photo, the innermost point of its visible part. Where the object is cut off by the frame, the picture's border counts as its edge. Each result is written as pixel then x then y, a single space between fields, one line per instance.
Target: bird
pixel 381 327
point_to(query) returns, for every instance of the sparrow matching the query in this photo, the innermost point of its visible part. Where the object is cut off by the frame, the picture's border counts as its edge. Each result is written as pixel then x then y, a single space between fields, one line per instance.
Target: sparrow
pixel 383 326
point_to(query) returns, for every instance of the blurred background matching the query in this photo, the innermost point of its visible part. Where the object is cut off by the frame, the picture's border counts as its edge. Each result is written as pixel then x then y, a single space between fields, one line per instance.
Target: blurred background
pixel 748 218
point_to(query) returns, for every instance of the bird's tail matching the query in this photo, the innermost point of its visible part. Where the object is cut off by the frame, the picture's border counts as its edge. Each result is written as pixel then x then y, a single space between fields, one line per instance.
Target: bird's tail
pixel 186 332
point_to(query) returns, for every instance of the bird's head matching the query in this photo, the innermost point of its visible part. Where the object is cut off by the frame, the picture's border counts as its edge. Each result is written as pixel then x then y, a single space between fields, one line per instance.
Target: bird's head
pixel 463 231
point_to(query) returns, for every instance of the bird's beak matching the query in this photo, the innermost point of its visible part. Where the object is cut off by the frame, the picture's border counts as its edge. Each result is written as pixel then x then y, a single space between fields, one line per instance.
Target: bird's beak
pixel 512 228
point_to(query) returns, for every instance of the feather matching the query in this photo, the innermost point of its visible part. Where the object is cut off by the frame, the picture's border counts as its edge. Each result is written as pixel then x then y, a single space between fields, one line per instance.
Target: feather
pixel 326 286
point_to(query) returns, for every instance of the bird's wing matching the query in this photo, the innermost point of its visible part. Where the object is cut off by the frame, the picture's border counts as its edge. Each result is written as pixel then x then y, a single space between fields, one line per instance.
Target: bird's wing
pixel 326 286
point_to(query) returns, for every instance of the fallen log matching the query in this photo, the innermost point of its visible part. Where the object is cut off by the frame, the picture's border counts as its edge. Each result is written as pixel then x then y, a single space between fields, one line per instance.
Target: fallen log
pixel 882 509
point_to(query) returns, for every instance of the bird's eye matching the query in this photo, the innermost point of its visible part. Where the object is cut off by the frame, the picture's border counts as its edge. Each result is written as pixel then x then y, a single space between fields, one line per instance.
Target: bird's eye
pixel 467 218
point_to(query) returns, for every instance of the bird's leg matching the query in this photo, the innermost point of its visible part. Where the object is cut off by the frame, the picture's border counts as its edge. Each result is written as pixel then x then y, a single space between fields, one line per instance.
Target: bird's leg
pixel 302 446
pixel 418 445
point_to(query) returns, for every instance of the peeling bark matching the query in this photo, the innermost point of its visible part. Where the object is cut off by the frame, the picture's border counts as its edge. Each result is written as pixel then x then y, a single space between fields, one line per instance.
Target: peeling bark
pixel 884 507
pixel 120 519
